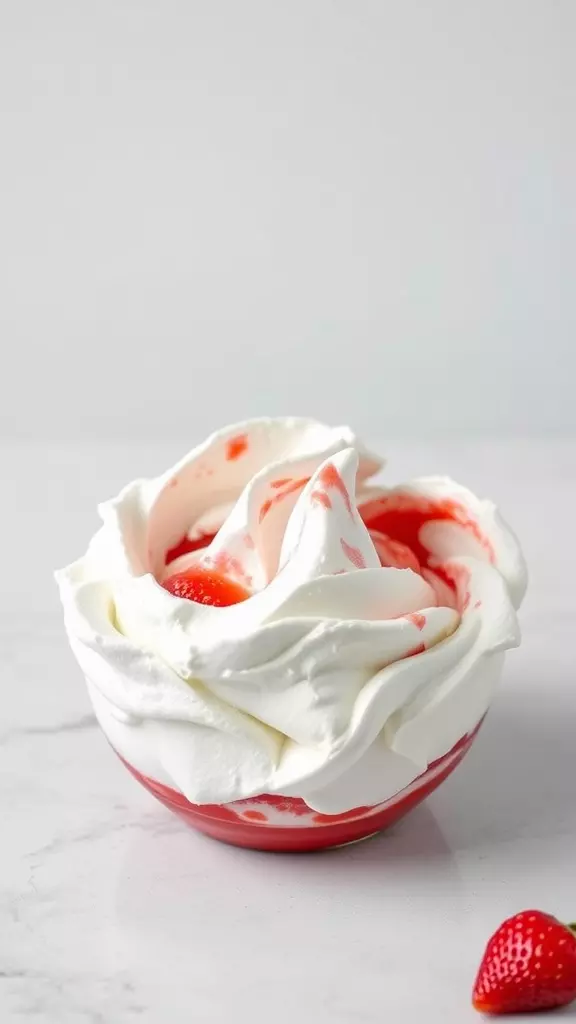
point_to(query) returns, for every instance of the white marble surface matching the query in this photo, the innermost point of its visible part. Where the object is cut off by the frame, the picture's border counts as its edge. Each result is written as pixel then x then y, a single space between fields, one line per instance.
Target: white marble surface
pixel 112 911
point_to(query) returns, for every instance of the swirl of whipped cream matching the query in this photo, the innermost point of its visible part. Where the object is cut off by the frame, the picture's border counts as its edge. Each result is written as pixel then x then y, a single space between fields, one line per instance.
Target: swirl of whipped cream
pixel 370 643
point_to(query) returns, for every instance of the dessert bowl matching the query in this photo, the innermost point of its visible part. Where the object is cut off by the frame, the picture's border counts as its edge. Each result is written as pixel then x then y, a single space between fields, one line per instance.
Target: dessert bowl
pixel 285 654
pixel 287 824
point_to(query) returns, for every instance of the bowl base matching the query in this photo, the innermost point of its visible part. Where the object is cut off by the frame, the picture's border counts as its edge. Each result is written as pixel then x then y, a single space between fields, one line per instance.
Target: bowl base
pixel 287 824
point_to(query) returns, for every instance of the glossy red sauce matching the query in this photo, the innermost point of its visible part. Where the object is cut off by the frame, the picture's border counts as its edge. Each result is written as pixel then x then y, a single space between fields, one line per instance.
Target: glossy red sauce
pixel 205 586
pixel 402 516
pixel 236 447
pixel 185 546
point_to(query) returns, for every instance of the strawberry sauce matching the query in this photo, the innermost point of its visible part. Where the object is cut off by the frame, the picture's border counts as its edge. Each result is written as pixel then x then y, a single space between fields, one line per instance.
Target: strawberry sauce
pixel 205 586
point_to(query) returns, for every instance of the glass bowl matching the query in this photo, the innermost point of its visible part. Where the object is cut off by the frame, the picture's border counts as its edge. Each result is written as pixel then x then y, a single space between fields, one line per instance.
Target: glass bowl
pixel 285 823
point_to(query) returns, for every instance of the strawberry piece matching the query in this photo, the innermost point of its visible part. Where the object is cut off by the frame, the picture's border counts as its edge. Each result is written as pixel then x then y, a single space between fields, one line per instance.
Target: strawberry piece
pixel 204 586
pixel 529 964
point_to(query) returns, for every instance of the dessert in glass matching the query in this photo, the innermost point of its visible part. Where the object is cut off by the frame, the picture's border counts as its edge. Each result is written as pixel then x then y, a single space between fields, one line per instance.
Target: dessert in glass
pixel 285 653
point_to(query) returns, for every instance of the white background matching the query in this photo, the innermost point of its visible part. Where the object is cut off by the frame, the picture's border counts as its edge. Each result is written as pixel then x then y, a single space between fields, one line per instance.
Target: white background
pixel 360 210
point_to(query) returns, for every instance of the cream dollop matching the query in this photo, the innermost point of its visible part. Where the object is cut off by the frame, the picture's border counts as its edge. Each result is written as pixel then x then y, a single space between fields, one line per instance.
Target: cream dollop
pixel 352 665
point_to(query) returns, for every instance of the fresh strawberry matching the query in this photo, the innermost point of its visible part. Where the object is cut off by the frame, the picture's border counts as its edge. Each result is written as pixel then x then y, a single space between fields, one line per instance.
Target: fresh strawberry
pixel 529 964
pixel 205 587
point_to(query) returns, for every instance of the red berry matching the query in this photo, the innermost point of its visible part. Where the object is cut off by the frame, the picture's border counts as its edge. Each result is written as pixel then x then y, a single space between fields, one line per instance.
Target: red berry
pixel 529 964
pixel 205 587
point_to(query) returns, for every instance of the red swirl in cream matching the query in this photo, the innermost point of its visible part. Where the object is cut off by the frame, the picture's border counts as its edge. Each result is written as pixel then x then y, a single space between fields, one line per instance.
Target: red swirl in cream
pixel 370 644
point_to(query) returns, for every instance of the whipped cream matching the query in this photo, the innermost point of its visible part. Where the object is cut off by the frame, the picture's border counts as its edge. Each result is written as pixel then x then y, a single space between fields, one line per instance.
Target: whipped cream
pixel 371 643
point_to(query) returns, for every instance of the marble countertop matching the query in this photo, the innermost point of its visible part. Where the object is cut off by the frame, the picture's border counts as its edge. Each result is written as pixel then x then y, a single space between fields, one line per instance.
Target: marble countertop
pixel 112 911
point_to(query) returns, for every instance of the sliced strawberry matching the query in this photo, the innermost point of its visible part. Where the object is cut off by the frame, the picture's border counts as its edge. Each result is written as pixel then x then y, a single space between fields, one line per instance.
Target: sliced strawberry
pixel 204 586
pixel 529 964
